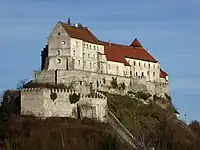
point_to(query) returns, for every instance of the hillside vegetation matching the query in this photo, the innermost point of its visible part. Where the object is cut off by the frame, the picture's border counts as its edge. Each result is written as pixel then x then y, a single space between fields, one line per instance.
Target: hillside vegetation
pixel 152 125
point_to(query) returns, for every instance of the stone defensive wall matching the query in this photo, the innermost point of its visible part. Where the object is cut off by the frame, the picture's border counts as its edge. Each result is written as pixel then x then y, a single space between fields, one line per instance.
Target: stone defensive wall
pixel 43 102
pixel 100 79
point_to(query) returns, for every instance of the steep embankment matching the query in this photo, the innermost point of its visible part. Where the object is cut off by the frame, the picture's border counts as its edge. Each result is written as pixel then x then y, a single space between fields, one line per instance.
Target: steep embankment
pixel 152 125
pixel 24 133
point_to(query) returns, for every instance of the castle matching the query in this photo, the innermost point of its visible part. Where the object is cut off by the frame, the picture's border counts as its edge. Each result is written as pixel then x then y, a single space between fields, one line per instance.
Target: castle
pixel 75 57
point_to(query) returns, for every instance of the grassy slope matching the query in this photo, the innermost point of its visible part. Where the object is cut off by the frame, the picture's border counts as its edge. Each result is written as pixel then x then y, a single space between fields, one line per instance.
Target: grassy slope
pixel 55 133
pixel 138 117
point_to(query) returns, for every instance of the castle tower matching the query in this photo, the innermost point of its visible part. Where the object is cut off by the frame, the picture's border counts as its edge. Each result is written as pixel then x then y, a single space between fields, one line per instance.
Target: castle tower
pixel 59 53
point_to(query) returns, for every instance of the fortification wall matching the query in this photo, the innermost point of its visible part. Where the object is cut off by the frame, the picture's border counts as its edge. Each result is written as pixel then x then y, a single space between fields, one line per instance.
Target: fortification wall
pixel 45 76
pixel 32 101
pixel 94 107
pixel 56 102
pixel 85 79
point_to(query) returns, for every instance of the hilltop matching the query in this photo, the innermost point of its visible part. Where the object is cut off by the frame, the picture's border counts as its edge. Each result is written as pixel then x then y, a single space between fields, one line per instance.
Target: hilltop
pixel 151 124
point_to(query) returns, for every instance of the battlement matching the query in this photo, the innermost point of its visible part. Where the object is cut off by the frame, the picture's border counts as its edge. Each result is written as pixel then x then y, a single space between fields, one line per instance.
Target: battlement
pixel 61 91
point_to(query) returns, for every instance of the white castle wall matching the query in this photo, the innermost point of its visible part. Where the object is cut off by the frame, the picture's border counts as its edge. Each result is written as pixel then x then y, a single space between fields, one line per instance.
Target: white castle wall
pixel 38 102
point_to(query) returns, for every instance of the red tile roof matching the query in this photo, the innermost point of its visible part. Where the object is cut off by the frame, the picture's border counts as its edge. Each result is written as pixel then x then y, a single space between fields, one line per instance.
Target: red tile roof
pixel 163 74
pixel 136 43
pixel 114 52
pixel 126 52
pixel 80 33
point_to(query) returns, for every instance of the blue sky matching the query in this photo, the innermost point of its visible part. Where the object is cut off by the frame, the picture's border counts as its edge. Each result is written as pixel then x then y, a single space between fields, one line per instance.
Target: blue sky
pixel 169 29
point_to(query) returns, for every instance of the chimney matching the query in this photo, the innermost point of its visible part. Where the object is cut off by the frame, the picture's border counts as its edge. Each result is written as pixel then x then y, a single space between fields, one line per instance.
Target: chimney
pixel 109 43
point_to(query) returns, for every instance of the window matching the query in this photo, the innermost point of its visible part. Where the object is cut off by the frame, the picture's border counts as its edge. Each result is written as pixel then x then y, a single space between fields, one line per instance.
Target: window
pixel 90 65
pixel 136 74
pixel 84 45
pixel 94 48
pixel 94 55
pixel 130 73
pixel 80 82
pixel 134 63
pixel 87 46
pixel 90 47
pixel 144 64
pixel 76 44
pixel 74 52
pixel 109 66
pixel 154 74
pixel 58 52
pixel 139 63
pixel 149 65
pixel 79 62
pixel 88 55
pixel 147 72
pixel 154 66
pixel 84 63
pixel 58 33
pixel 142 74
pixel 58 61
pixel 97 48
pixel 63 42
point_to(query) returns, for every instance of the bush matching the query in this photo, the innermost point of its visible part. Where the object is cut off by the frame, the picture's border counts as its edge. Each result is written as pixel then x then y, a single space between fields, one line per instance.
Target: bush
pixel 114 83
pixel 122 86
pixel 142 95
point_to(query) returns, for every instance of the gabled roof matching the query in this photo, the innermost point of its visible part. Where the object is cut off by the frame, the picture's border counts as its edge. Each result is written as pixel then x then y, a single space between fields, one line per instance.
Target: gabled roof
pixel 80 33
pixel 113 54
pixel 136 43
pixel 127 52
pixel 163 74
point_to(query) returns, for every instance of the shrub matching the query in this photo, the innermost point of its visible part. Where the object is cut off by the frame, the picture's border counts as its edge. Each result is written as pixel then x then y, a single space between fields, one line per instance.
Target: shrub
pixel 73 98
pixel 114 83
pixel 143 95
pixel 122 86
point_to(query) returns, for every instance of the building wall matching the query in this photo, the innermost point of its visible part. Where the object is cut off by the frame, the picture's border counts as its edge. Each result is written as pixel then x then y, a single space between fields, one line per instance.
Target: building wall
pixel 38 102
pixel 58 48
pixel 150 70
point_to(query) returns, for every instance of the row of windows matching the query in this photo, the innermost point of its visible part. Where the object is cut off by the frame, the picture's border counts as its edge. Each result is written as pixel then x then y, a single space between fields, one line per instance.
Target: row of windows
pixel 88 46
pixel 145 64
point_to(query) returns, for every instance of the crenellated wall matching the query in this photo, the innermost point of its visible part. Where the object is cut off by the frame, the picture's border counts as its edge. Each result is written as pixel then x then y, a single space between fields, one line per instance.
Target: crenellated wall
pixel 56 102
